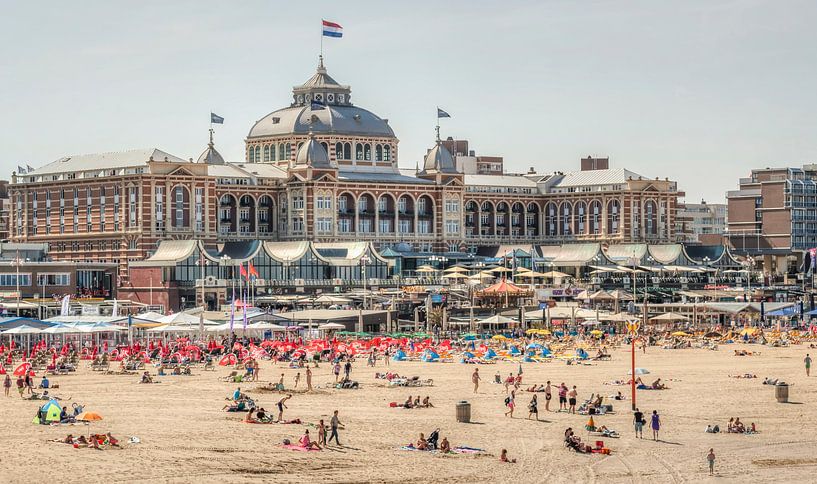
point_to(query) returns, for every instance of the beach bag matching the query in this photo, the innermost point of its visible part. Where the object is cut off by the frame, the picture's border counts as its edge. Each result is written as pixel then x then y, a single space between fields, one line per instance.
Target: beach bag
pixel 507 400
pixel 287 442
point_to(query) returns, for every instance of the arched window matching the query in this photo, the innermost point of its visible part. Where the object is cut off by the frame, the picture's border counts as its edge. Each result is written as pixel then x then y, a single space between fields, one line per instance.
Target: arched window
pixel 266 153
pixel 339 151
pixel 287 151
pixel 595 217
pixel 325 147
pixel 347 151
pixel 257 156
pixel 613 216
pixel 580 218
pixel 251 154
pixel 358 152
pixel 281 152
pixel 386 153
pixel 378 153
pixel 367 152
pixel 565 218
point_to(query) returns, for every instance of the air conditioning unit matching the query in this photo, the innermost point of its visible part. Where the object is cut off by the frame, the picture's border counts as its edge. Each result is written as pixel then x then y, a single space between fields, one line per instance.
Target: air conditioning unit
pixel 655 280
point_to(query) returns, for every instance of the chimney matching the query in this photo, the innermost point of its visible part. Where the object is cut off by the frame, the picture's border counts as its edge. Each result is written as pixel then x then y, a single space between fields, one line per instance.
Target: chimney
pixel 591 163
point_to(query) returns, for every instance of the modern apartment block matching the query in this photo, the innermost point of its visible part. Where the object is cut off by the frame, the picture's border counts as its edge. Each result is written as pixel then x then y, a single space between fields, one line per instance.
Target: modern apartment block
pixel 703 223
pixel 774 214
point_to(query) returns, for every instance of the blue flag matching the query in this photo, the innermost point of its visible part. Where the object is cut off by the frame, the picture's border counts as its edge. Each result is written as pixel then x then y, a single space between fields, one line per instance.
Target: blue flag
pixel 317 105
pixel 442 114
pixel 216 119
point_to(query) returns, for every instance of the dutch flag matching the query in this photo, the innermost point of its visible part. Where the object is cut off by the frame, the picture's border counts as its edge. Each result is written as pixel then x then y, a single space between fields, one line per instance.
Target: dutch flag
pixel 331 29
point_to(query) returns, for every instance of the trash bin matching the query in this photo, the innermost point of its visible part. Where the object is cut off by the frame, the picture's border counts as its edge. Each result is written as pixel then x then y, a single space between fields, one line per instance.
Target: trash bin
pixel 463 412
pixel 781 393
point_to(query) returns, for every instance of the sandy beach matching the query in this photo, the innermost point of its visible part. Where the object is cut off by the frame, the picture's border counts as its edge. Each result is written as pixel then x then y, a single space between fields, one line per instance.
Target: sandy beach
pixel 185 436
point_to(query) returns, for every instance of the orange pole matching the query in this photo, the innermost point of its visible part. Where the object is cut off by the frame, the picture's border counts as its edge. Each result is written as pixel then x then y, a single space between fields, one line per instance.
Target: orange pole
pixel 632 372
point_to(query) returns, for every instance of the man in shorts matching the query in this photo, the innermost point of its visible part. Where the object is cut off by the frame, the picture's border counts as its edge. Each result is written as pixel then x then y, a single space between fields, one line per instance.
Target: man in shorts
pixel 548 396
pixel 638 422
pixel 807 361
pixel 571 399
pixel 475 379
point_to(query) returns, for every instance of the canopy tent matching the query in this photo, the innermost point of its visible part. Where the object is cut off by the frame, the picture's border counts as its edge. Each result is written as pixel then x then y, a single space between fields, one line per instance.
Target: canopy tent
pixel 456 269
pixel 669 318
pixel 331 327
pixel 265 325
pixel 329 299
pixel 496 319
pixel 60 329
pixel 620 295
pixel 454 275
pixel 185 319
pixel 50 412
pixel 23 329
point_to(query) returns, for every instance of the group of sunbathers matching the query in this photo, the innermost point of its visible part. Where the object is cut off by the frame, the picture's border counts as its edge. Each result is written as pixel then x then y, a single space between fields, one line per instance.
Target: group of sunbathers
pixel 241 402
pixel 95 441
pixel 746 353
pixel 735 426
pixel 775 381
pixel 176 370
pixel 416 403
pixel 431 442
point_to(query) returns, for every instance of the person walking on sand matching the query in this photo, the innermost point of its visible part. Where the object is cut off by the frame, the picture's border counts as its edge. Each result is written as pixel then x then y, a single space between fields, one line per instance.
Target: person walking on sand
pixel 710 457
pixel 509 402
pixel 655 424
pixel 334 423
pixel 308 379
pixel 533 408
pixel 548 396
pixel 7 385
pixel 336 371
pixel 638 422
pixel 475 379
pixel 297 379
pixel 807 361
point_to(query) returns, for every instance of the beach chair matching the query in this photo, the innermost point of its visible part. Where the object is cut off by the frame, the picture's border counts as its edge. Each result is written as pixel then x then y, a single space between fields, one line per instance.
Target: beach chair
pixel 230 377
pixel 209 366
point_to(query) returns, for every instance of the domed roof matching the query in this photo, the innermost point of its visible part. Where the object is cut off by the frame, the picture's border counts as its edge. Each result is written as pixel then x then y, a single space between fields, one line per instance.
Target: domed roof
pixel 210 155
pixel 313 153
pixel 439 160
pixel 344 120
pixel 333 112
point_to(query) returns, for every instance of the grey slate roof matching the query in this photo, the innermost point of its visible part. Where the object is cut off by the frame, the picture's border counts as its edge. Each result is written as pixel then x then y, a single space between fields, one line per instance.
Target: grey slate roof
pixel 381 178
pixel 333 119
pixel 101 161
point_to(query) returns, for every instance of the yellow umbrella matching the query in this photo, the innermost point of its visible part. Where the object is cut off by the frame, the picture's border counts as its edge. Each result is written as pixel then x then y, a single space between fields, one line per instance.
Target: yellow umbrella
pixel 481 275
pixel 498 336
pixel 680 333
pixel 456 269
pixel 500 269
pixel 597 332
pixel 426 269
pixel 530 274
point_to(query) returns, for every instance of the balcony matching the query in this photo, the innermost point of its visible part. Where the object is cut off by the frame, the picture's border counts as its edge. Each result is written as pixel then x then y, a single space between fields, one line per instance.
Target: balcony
pixel 425 214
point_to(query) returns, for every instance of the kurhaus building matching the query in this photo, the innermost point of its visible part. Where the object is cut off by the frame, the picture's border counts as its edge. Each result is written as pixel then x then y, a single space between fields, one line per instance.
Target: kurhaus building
pixel 327 172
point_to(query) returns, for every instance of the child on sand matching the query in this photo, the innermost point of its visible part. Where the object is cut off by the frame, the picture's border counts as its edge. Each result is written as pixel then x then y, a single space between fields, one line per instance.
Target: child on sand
pixel 503 457
pixel 710 457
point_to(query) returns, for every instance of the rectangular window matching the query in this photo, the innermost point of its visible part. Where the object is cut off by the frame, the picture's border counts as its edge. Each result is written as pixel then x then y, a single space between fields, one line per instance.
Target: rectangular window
pixel 384 226
pixel 53 279
pixel 452 226
pixel 402 205
pixel 364 225
pixel 10 280
pixel 405 226
pixel 132 207
pixel 160 212
pixel 324 225
pixel 199 209
pixel 452 205
pixel 298 202
pixel 424 227
pixel 297 224
pixel 344 225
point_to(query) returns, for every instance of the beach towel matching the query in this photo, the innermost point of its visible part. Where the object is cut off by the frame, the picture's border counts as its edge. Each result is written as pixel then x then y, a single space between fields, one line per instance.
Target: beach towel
pixel 298 448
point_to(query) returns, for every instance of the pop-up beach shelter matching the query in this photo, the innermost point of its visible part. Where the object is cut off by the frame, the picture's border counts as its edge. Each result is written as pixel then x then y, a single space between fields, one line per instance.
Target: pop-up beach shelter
pixel 52 410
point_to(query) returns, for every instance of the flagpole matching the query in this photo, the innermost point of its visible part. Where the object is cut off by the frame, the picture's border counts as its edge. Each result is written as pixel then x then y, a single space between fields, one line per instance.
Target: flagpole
pixel 321 38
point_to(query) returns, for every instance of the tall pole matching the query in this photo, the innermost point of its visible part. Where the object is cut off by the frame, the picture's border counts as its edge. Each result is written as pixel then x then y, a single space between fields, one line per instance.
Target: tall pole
pixel 17 280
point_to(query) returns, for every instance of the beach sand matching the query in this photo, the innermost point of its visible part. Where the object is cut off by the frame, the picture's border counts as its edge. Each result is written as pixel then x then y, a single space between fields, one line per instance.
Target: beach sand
pixel 185 436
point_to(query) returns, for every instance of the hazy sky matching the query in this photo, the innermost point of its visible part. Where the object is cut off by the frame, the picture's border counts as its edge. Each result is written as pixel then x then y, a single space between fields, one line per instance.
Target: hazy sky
pixel 698 91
